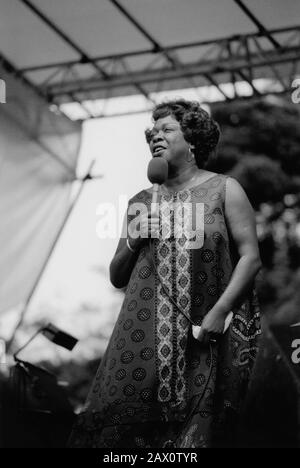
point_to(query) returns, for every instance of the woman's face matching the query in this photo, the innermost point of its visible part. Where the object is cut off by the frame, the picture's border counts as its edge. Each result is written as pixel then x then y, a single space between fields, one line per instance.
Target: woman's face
pixel 167 140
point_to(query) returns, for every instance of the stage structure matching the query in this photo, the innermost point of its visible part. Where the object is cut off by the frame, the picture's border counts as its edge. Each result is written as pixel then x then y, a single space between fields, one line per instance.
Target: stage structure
pixel 97 50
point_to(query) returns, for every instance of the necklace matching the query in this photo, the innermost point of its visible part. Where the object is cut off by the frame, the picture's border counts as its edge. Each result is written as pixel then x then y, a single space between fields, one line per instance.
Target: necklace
pixel 187 182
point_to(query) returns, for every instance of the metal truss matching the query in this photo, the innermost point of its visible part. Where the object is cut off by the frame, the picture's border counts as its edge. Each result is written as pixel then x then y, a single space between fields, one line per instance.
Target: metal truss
pixel 272 54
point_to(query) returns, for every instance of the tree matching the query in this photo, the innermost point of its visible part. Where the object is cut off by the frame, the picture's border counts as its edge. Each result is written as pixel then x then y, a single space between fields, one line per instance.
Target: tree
pixel 262 179
pixel 268 127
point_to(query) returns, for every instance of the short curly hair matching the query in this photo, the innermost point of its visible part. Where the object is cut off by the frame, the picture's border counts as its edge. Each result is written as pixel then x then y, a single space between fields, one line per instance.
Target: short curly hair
pixel 198 127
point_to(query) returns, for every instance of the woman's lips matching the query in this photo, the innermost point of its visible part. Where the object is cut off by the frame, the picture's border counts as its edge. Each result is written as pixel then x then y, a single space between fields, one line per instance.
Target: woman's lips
pixel 158 151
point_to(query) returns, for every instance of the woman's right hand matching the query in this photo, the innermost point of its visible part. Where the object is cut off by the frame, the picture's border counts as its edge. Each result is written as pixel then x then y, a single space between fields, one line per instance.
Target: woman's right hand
pixel 148 228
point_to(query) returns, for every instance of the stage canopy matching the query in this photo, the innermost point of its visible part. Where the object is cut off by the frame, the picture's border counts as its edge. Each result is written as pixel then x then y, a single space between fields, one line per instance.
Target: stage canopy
pixel 80 51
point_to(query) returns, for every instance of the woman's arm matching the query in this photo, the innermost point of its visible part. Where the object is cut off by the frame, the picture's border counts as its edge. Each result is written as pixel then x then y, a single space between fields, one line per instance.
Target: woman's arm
pixel 124 259
pixel 241 224
pixel 122 264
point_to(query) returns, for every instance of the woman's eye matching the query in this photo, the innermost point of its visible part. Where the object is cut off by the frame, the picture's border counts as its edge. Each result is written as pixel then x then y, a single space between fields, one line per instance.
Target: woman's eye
pixel 149 136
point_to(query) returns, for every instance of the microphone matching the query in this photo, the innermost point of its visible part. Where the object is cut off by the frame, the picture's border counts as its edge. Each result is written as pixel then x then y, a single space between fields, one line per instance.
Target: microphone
pixel 157 174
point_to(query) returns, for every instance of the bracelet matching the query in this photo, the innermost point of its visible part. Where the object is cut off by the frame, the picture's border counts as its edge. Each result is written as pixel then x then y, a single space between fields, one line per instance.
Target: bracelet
pixel 130 248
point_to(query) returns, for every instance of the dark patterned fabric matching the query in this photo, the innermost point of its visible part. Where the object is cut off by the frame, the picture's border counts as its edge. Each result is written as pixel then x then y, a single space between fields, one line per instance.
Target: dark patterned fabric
pixel 157 386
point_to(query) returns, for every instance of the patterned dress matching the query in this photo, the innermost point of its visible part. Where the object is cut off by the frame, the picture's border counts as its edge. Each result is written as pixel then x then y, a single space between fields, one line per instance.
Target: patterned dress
pixel 157 386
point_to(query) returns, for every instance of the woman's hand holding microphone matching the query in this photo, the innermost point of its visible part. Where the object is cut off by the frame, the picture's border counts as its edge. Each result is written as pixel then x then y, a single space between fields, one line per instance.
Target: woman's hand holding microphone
pixel 148 228
pixel 149 222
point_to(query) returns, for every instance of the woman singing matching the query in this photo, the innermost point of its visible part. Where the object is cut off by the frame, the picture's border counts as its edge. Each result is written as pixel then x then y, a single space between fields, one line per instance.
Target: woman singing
pixel 171 376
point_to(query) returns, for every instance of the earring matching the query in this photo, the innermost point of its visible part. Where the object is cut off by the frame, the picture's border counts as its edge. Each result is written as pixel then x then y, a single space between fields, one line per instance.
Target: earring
pixel 191 155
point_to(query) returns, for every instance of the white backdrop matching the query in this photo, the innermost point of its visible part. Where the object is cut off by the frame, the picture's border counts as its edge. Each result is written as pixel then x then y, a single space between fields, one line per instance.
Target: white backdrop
pixel 34 185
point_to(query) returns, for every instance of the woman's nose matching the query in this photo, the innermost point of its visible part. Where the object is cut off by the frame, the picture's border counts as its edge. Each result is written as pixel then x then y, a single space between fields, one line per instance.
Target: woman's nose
pixel 157 137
